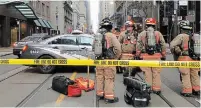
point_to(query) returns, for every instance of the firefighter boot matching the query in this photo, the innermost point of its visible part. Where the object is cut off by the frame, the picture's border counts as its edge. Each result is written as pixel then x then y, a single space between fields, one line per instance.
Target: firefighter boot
pixel 116 99
pixel 197 93
pixel 157 92
pixel 186 94
pixel 125 72
pixel 99 97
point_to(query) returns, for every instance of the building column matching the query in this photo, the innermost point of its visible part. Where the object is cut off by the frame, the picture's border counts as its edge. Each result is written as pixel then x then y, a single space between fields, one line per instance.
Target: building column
pixel 6 37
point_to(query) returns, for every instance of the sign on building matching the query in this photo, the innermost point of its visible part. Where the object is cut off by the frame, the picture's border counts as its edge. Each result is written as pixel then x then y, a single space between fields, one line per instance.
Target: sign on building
pixel 165 21
pixel 191 18
pixel 183 2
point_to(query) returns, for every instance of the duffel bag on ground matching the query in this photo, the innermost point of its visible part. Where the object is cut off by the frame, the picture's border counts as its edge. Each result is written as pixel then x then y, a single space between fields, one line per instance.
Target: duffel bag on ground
pixel 83 83
pixel 60 84
pixel 135 83
pixel 74 91
pixel 137 98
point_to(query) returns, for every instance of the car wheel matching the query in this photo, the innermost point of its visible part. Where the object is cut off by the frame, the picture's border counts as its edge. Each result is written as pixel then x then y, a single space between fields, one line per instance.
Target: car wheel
pixel 46 69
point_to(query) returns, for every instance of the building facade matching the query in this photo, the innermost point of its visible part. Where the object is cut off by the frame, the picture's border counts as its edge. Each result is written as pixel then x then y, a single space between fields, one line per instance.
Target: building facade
pixel 107 9
pixel 76 15
pixel 61 18
pixel 42 11
pixel 83 17
pixel 17 20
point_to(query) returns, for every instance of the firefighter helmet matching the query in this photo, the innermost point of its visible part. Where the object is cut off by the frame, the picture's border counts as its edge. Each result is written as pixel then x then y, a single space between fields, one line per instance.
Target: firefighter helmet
pixel 105 23
pixel 185 24
pixel 129 23
pixel 150 21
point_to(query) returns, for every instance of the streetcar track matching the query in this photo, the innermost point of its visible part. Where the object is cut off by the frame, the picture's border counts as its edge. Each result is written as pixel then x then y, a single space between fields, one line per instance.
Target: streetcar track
pixel 9 70
pixel 13 74
pixel 160 95
pixel 34 92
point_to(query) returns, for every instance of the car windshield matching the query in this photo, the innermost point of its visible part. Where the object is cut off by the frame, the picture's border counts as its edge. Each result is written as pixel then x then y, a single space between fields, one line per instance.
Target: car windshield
pixel 31 38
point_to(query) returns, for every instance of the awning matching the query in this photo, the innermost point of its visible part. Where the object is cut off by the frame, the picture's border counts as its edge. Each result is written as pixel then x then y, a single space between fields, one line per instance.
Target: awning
pixel 42 23
pixel 49 24
pixel 22 7
pixel 46 23
pixel 37 23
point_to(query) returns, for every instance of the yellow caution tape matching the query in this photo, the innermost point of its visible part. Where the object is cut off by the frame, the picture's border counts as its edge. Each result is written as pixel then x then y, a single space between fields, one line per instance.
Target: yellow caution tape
pixel 141 63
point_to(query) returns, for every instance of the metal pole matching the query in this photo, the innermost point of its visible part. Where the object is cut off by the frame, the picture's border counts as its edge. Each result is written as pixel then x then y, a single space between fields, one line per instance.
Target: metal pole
pixel 19 30
pixel 126 10
pixel 176 17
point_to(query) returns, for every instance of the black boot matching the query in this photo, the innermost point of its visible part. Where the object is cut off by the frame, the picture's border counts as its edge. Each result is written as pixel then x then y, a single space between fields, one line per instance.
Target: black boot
pixel 116 99
pixel 197 93
pixel 186 94
pixel 125 72
pixel 157 92
pixel 99 97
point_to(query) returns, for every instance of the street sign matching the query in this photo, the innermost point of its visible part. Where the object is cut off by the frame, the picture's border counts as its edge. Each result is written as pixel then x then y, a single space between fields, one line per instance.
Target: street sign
pixel 165 21
pixel 191 18
pixel 183 2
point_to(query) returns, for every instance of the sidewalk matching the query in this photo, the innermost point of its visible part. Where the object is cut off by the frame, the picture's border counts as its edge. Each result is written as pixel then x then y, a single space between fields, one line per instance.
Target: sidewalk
pixel 6 51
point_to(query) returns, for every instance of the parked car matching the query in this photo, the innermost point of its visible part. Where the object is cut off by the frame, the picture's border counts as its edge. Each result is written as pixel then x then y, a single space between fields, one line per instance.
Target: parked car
pixel 72 46
pixel 18 46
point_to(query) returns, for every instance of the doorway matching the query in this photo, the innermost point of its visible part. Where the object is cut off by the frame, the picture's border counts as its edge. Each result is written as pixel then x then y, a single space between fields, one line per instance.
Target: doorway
pixel 14 30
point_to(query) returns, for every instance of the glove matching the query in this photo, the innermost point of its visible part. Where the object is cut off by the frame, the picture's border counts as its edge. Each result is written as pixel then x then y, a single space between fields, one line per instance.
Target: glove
pixel 163 58
pixel 177 50
pixel 137 58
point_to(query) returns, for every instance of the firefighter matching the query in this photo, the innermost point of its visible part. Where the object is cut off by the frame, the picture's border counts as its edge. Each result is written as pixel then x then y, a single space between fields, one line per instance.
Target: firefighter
pixel 105 76
pixel 151 46
pixel 128 44
pixel 181 47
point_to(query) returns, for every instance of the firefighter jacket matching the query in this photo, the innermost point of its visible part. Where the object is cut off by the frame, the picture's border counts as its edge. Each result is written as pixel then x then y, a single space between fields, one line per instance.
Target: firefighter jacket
pixel 128 45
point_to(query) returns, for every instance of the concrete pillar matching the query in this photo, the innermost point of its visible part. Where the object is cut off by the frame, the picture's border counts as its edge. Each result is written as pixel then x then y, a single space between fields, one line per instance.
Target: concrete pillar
pixel 6 38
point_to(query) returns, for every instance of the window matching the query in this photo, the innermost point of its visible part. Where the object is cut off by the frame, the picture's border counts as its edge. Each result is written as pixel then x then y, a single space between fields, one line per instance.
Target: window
pixel 69 40
pixel 38 6
pixel 86 41
pixel 43 9
pixel 56 41
pixel 47 11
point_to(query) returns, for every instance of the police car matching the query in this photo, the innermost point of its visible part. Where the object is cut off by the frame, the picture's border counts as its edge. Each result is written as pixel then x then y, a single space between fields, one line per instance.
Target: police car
pixel 68 46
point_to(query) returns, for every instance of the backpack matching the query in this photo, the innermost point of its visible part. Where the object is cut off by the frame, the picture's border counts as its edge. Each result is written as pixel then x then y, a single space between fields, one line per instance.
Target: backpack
pixel 151 41
pixel 102 49
pixel 137 92
pixel 194 47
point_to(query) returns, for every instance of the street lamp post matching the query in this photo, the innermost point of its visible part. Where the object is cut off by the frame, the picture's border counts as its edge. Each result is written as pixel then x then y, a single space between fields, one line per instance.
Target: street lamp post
pixel 57 19
pixel 18 22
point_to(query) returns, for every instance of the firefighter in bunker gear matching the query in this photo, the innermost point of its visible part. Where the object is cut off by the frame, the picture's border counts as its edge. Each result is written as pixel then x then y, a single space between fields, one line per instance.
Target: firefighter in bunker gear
pixel 180 47
pixel 151 46
pixel 105 76
pixel 128 41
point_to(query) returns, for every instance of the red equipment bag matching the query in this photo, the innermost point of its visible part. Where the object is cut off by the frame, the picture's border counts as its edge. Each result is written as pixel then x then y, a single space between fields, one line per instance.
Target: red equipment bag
pixel 74 91
pixel 83 83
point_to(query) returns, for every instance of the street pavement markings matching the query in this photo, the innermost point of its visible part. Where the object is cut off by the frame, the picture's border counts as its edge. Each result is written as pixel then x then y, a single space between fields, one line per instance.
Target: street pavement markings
pixel 62 96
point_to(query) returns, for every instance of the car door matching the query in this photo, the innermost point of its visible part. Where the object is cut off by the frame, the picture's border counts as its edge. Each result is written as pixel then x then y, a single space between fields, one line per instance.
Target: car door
pixel 85 45
pixel 70 43
pixel 85 42
pixel 55 44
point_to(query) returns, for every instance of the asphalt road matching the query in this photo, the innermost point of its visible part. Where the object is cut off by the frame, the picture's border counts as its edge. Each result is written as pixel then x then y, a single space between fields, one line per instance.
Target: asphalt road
pixel 30 88
pixel 7 68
